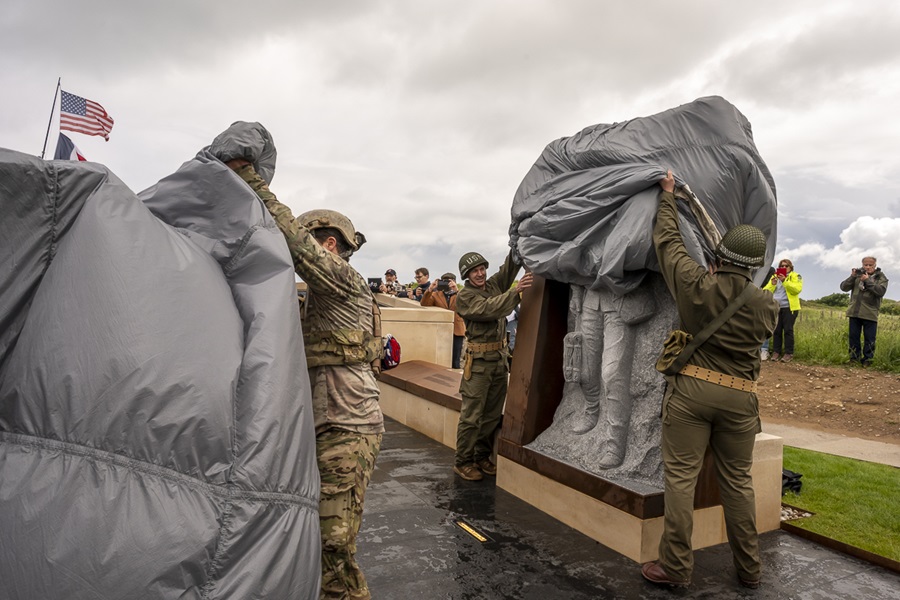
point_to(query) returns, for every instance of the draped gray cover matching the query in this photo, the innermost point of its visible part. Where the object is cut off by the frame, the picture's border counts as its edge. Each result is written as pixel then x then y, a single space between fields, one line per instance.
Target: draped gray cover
pixel 584 212
pixel 156 432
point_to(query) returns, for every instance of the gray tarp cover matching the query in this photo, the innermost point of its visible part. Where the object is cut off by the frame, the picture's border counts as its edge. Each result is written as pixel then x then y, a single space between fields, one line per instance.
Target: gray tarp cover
pixel 584 212
pixel 156 434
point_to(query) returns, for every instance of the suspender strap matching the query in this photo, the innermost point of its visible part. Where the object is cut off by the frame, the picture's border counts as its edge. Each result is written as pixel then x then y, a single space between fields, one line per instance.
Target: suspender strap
pixel 707 331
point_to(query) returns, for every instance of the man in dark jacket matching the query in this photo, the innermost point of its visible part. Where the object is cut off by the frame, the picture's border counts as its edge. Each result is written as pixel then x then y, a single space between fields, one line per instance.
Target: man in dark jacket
pixel 867 287
pixel 712 401
pixel 483 303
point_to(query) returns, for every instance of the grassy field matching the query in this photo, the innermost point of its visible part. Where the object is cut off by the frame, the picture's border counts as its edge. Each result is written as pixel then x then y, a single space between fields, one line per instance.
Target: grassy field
pixel 820 338
pixel 855 502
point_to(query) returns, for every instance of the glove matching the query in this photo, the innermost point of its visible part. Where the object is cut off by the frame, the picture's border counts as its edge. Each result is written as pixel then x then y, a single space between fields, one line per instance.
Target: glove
pixel 250 141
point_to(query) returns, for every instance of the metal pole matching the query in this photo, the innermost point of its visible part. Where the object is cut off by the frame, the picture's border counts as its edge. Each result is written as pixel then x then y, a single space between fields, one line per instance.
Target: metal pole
pixel 50 122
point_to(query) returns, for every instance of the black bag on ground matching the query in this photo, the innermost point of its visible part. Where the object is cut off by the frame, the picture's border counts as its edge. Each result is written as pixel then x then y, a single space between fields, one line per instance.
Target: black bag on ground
pixel 790 482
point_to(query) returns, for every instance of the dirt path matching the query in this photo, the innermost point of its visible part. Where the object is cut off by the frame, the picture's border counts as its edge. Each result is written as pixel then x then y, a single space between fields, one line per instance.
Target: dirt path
pixel 854 401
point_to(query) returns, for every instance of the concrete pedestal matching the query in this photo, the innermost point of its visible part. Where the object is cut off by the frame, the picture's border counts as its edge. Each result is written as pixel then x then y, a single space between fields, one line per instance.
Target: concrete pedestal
pixel 634 536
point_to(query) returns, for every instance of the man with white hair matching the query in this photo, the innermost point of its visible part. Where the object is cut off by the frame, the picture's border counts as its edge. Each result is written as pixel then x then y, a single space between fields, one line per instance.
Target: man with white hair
pixel 867 286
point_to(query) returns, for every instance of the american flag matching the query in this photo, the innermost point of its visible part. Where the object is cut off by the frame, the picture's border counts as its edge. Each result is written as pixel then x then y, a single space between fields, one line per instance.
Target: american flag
pixel 84 116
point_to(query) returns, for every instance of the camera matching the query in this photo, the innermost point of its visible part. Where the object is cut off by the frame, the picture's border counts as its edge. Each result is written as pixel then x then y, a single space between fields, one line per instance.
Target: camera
pixel 443 285
pixel 859 271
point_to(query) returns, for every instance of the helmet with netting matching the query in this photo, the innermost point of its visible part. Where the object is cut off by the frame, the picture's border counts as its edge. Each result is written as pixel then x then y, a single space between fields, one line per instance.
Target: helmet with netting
pixel 322 217
pixel 469 261
pixel 744 246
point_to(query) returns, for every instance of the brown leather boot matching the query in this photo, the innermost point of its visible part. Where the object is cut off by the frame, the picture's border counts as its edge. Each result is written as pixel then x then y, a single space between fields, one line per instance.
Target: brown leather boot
pixel 654 573
pixel 487 467
pixel 468 472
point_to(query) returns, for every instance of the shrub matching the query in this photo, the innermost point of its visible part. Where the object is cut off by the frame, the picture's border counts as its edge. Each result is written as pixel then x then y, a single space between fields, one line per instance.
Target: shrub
pixel 838 299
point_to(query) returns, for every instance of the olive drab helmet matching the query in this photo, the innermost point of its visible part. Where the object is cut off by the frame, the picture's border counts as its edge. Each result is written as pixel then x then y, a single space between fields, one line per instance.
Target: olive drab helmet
pixel 744 246
pixel 322 217
pixel 469 261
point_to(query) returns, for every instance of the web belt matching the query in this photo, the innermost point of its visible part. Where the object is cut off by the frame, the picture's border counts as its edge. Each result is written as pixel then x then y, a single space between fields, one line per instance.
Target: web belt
pixel 485 347
pixel 717 378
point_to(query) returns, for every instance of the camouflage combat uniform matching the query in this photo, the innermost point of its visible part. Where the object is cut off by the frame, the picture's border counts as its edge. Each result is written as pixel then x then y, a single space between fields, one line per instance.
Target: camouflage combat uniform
pixel 485 370
pixel 341 332
pixel 698 414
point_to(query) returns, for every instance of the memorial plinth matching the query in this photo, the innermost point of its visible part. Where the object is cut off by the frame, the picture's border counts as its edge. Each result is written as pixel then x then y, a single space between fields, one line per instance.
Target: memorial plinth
pixel 625 520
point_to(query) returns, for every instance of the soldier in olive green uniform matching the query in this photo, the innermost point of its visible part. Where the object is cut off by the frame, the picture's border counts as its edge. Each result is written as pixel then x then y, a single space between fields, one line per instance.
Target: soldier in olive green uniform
pixel 698 413
pixel 483 303
pixel 341 332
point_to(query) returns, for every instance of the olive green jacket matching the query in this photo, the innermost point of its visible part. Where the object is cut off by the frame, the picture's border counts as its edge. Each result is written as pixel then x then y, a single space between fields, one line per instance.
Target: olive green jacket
pixel 865 296
pixel 485 310
pixel 339 325
pixel 699 296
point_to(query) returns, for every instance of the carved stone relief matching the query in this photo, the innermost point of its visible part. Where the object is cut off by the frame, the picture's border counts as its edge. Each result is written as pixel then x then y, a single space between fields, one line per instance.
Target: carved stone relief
pixel 608 422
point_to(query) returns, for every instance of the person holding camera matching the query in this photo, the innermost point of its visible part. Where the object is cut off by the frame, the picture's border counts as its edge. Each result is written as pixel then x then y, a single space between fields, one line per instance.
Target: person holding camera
pixel 442 293
pixel 867 286
pixel 422 284
pixel 785 285
pixel 391 286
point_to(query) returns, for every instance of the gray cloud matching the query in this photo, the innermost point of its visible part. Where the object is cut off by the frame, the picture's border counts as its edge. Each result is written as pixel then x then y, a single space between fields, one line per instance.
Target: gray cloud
pixel 829 57
pixel 419 119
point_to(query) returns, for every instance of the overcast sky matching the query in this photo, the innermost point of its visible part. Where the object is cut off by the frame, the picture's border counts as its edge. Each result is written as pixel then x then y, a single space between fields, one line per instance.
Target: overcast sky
pixel 418 119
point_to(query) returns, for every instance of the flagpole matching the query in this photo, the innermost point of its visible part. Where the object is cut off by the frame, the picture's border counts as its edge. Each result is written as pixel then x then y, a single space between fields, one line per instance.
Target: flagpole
pixel 50 122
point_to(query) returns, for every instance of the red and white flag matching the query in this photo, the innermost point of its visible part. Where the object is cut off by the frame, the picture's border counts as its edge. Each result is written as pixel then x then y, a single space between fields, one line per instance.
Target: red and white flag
pixel 67 150
pixel 84 116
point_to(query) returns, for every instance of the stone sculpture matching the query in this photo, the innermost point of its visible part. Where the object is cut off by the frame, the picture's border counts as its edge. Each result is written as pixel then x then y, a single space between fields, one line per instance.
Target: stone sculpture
pixel 608 420
pixel 583 215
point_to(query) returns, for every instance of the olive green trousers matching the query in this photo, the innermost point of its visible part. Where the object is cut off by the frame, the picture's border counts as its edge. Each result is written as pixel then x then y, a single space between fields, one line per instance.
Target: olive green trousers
pixel 483 396
pixel 688 428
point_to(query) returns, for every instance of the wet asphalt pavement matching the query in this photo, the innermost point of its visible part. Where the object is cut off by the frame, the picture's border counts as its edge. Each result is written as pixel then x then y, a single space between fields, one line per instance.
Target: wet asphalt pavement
pixel 411 546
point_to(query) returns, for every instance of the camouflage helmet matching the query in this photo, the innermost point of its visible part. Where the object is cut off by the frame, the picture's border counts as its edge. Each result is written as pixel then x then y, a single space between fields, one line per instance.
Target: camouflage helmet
pixel 322 217
pixel 744 246
pixel 469 261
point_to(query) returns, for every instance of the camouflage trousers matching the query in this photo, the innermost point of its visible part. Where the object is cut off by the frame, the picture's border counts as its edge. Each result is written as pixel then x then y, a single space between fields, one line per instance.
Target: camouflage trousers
pixel 346 461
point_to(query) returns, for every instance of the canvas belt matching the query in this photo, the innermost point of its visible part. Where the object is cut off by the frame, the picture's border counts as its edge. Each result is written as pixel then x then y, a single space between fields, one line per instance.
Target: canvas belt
pixel 717 378
pixel 486 347
pixel 471 349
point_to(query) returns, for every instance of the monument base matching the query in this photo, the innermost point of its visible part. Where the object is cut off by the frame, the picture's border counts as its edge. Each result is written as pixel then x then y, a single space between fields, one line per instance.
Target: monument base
pixel 424 396
pixel 634 536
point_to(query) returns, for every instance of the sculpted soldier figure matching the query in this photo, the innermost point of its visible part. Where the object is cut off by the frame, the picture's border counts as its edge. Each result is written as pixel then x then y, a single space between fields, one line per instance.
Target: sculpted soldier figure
pixel 607 338
pixel 484 303
pixel 341 331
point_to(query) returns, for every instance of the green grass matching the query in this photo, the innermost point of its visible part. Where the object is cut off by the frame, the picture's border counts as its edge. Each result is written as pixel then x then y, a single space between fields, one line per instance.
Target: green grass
pixel 854 502
pixel 820 338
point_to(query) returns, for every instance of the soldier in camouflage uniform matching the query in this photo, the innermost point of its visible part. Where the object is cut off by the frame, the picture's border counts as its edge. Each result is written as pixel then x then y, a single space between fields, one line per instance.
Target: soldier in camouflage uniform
pixel 483 303
pixel 341 332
